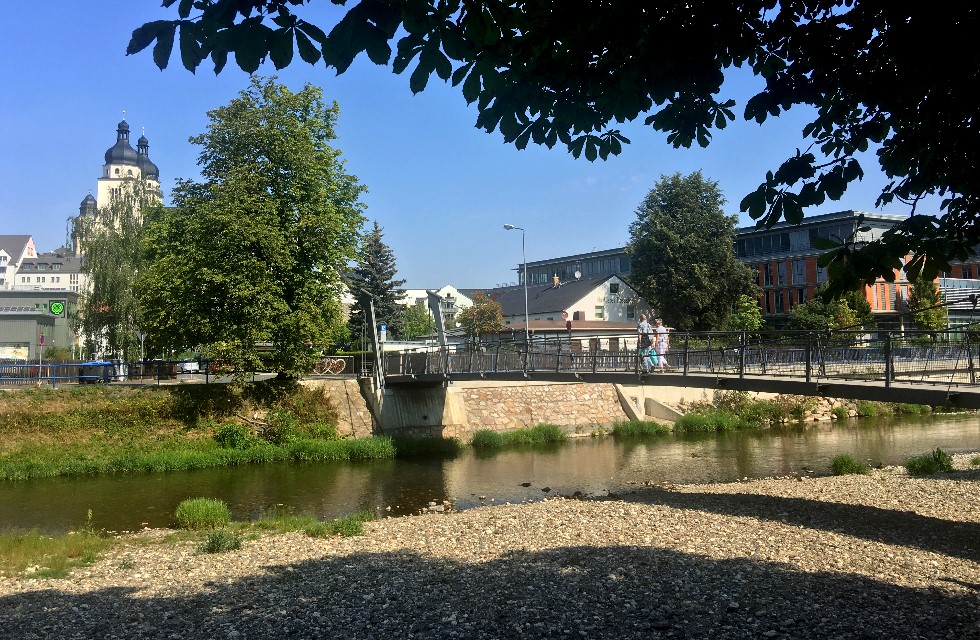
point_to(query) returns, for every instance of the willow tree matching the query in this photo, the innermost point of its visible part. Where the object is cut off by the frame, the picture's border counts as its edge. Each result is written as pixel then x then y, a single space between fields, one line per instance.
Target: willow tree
pixel 111 242
pixel 253 255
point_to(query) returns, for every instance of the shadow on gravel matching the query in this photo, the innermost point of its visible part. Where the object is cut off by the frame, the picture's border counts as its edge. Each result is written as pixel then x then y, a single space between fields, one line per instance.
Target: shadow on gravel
pixel 618 593
pixel 906 528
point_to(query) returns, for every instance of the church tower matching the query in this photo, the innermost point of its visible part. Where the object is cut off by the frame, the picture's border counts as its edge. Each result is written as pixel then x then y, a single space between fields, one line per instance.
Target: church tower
pixel 122 162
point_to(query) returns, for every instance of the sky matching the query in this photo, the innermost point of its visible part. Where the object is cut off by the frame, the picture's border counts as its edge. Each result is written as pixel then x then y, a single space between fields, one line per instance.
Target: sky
pixel 441 188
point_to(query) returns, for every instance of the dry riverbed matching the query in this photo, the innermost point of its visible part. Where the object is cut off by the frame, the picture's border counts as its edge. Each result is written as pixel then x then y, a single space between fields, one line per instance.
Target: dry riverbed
pixel 878 556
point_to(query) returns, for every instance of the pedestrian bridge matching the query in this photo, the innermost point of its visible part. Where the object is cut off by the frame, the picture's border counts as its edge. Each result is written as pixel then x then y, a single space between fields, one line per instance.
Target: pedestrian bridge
pixel 932 368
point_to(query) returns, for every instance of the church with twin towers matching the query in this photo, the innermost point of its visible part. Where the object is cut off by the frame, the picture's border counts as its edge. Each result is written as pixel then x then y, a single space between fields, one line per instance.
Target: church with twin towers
pixel 123 165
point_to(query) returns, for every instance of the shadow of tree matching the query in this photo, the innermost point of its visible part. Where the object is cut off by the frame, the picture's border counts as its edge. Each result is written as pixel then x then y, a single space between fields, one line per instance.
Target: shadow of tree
pixel 890 526
pixel 581 592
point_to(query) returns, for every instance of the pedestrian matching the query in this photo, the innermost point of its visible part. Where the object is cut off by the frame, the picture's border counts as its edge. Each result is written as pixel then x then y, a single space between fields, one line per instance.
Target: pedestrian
pixel 663 343
pixel 644 340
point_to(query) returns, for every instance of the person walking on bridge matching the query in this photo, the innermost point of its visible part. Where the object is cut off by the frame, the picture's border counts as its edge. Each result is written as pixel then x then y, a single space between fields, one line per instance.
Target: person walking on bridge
pixel 663 343
pixel 644 341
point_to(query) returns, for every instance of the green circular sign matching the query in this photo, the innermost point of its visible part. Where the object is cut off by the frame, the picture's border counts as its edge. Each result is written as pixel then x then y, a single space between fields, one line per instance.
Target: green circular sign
pixel 57 308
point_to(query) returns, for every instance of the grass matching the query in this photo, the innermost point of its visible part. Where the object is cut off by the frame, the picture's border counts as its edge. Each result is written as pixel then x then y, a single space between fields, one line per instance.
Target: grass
pixel 202 513
pixel 845 464
pixel 219 541
pixel 38 556
pixel 929 463
pixel 711 421
pixel 975 461
pixel 543 433
pixel 283 520
pixel 633 428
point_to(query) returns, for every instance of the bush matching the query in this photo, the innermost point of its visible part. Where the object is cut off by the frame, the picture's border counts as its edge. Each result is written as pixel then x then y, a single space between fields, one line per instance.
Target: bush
pixel 220 541
pixel 693 423
pixel 546 432
pixel 233 435
pixel 975 461
pixel 845 464
pixel 202 513
pixel 488 439
pixel 640 428
pixel 929 463
pixel 281 427
pixel 868 409
pixel 911 409
pixel 840 413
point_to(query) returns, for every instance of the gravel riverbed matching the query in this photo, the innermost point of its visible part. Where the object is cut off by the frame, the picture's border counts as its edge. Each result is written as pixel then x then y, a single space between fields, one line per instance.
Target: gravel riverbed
pixel 877 556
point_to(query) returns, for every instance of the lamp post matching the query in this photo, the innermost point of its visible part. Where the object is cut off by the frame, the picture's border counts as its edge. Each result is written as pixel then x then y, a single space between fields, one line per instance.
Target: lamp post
pixel 527 321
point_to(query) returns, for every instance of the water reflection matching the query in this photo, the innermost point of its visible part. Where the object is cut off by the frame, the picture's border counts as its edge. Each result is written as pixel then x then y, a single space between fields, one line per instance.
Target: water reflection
pixel 590 466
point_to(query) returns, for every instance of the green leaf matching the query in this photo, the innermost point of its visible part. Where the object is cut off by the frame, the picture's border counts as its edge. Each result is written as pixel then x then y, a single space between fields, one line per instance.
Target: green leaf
pixel 307 50
pixel 471 88
pixel 143 36
pixel 419 78
pixel 281 47
pixel 824 243
pixel 164 47
pixel 190 50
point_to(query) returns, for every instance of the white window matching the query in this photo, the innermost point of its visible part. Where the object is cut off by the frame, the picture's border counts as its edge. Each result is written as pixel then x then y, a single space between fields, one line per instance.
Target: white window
pixel 599 311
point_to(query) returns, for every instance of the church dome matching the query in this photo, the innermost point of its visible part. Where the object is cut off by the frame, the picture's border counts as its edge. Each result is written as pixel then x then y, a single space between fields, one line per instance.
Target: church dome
pixel 88 205
pixel 121 152
pixel 147 168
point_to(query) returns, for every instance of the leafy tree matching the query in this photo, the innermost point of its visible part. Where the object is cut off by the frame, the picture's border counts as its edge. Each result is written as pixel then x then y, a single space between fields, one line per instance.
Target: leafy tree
pixel 681 249
pixel 550 74
pixel 111 242
pixel 485 317
pixel 857 302
pixel 818 315
pixel 927 305
pixel 375 275
pixel 254 253
pixel 747 315
pixel 416 322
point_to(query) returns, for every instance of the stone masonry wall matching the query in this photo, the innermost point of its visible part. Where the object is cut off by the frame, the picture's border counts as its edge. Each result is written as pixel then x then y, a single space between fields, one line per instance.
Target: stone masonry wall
pixel 354 417
pixel 524 405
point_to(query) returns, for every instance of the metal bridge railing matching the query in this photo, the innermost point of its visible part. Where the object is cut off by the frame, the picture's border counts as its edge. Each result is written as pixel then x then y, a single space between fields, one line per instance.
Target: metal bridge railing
pixel 910 356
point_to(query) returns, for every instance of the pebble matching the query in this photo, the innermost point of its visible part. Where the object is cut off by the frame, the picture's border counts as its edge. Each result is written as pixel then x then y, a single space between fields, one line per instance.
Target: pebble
pixel 756 558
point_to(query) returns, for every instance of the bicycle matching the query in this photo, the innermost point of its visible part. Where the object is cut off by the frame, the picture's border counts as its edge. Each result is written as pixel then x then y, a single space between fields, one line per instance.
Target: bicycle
pixel 329 366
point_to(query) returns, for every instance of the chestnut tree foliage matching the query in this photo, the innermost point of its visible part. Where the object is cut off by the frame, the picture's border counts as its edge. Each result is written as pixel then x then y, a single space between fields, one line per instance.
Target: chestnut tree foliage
pixel 895 77
pixel 255 252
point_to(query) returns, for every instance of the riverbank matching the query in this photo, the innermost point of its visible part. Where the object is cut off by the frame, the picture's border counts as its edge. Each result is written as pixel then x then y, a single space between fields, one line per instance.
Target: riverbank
pixel 878 556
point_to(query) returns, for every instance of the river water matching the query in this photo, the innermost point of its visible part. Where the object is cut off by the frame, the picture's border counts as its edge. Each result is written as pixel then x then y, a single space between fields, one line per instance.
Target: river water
pixel 591 466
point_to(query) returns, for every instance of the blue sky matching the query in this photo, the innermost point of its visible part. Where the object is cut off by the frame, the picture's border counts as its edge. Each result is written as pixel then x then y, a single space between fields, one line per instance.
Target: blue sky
pixel 441 188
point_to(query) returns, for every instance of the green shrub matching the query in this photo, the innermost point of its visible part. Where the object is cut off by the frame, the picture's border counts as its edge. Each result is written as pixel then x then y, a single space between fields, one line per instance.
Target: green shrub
pixel 845 464
pixel 221 540
pixel 546 432
pixel 868 409
pixel 281 427
pixel 721 421
pixel 202 513
pixel 322 431
pixel 693 423
pixel 975 461
pixel 488 439
pixel 234 435
pixel 737 402
pixel 640 428
pixel 760 413
pixel 911 409
pixel 841 413
pixel 929 463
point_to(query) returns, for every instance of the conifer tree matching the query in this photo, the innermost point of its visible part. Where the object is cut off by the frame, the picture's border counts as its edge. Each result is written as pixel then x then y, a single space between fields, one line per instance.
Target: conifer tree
pixel 374 277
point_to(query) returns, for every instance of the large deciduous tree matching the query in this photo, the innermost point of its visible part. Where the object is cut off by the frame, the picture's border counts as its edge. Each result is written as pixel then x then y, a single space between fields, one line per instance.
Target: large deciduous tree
pixel 876 74
pixel 417 322
pixel 254 254
pixel 373 279
pixel 681 250
pixel 111 243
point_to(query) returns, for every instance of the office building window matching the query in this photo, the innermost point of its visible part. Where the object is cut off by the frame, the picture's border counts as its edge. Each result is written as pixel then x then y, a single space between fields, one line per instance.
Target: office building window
pixel 779 302
pixel 799 271
pixel 821 274
pixel 781 272
pixel 767 274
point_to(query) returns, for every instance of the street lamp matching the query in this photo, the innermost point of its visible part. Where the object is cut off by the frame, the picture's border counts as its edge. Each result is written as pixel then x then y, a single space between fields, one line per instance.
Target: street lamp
pixel 527 321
